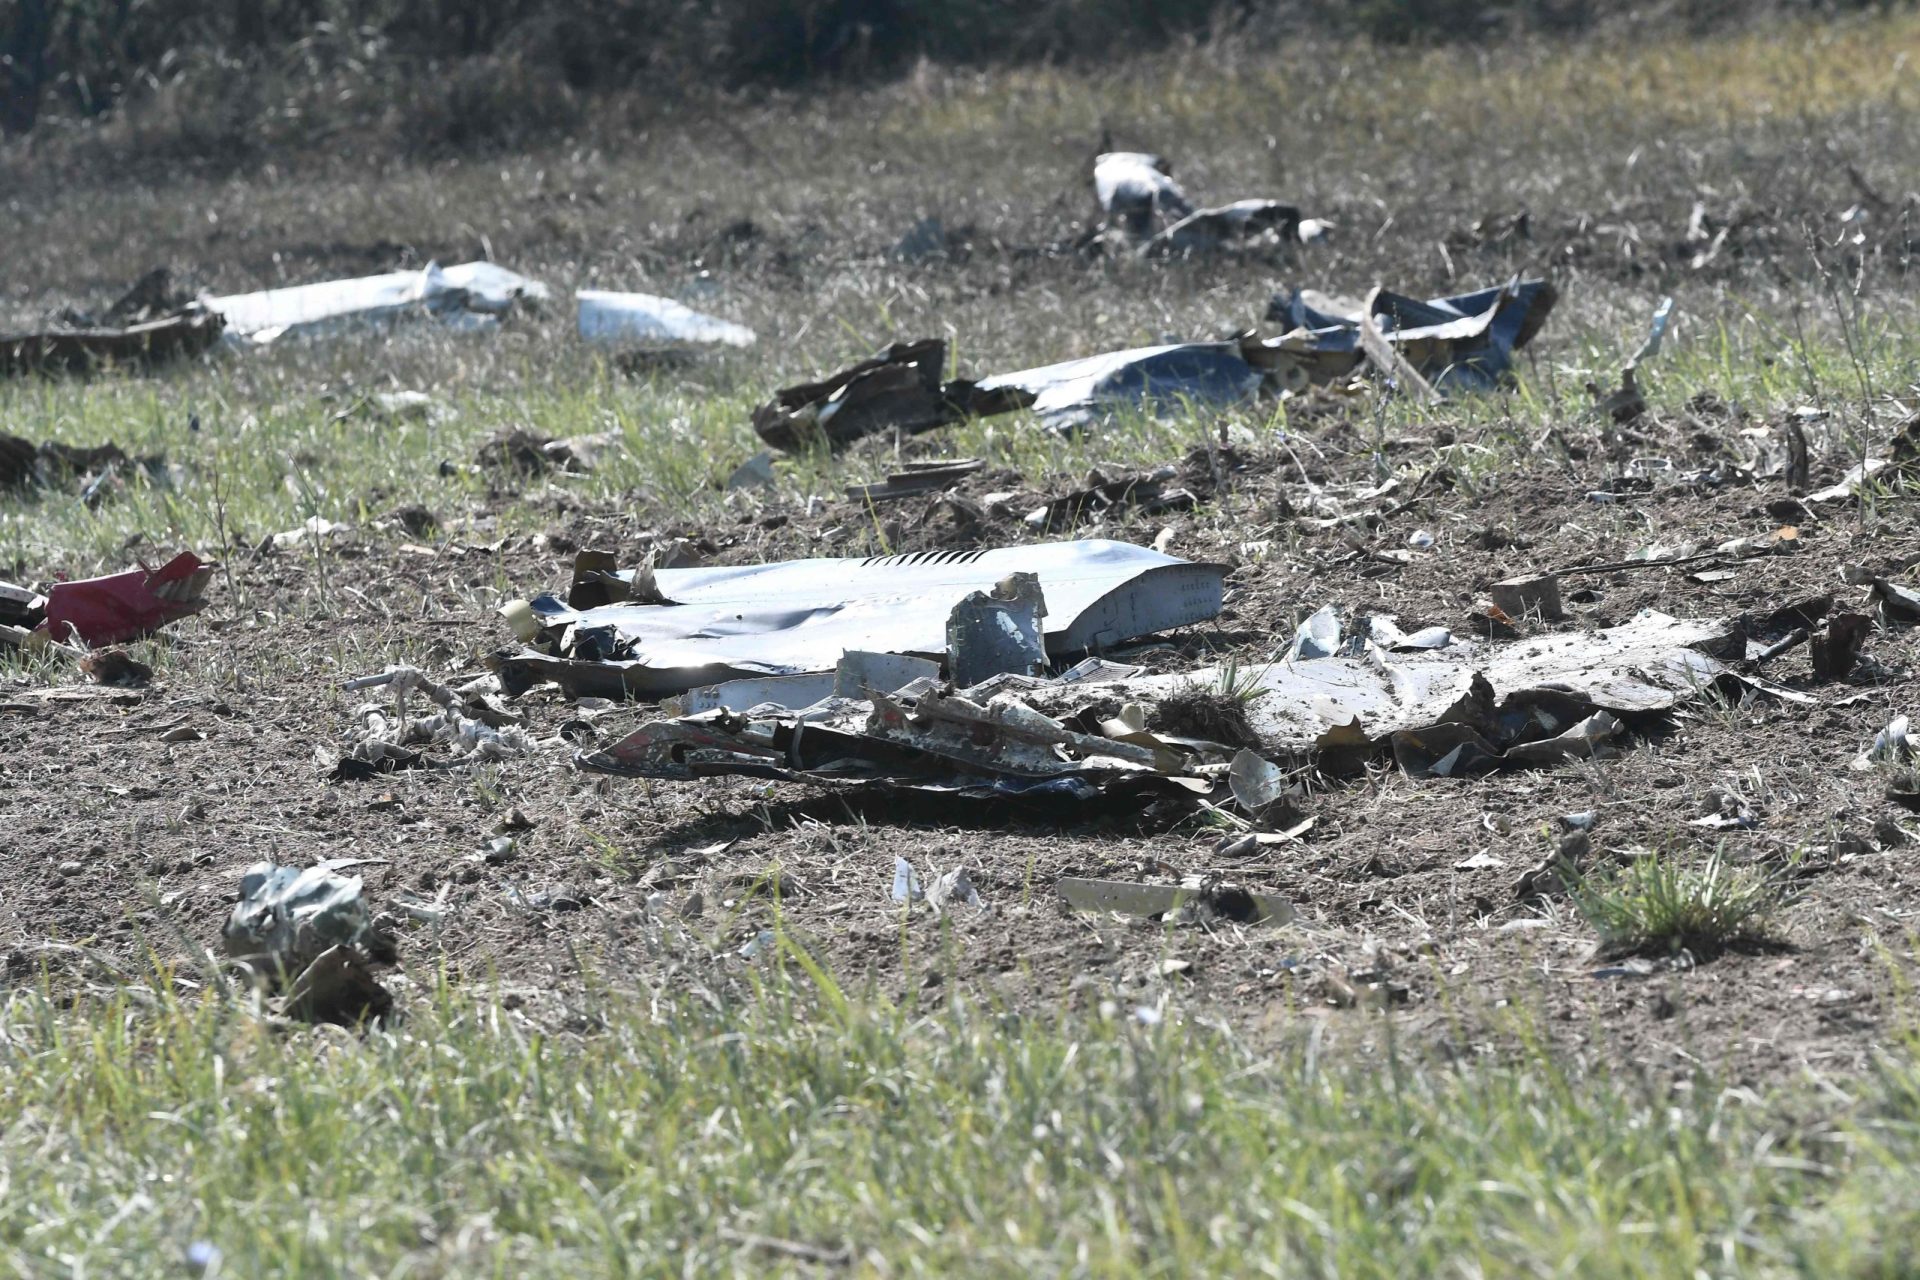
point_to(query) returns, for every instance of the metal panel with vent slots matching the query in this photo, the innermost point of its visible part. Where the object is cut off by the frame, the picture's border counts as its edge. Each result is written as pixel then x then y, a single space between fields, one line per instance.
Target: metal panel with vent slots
pixel 799 616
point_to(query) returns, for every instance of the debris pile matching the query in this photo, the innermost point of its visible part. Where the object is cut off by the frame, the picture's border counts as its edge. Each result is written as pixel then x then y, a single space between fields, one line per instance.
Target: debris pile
pixel 1426 348
pixel 986 740
pixel 1337 701
pixel 472 722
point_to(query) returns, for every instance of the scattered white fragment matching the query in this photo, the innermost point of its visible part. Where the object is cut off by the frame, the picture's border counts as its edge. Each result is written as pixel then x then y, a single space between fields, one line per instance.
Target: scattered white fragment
pixel 955 886
pixel 906 885
pixel 1318 636
pixel 314 530
pixel 614 318
pixel 1892 744
pixel 468 295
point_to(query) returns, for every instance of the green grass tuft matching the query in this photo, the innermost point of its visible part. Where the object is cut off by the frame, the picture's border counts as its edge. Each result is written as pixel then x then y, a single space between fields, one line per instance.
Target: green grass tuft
pixel 1661 904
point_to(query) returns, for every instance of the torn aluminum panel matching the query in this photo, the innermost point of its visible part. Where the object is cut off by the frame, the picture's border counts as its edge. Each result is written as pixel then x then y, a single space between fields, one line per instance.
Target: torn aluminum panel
pixel 800 616
pixel 471 293
pixel 995 632
pixel 80 351
pixel 1464 342
pixel 612 319
pixel 1146 380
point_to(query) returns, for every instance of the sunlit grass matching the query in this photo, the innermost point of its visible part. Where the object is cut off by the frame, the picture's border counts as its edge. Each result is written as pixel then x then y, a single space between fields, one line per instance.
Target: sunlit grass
pixel 478 1136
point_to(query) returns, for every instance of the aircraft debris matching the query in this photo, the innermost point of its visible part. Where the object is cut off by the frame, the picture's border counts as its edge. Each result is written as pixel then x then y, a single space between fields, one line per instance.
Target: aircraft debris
pixel 307 932
pixel 661 631
pixel 126 606
pixel 1439 714
pixel 1134 188
pixel 471 721
pixel 150 324
pixel 627 319
pixel 1444 345
pixel 471 295
pixel 82 351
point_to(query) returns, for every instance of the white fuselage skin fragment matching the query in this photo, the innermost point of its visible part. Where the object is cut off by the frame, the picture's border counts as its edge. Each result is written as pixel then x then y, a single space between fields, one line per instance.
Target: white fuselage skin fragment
pixel 1133 186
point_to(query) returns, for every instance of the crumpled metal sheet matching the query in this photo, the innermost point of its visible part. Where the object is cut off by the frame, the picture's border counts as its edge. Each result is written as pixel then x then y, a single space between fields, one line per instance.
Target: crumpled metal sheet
pixel 288 916
pixel 897 389
pixel 1144 380
pixel 616 318
pixel 800 616
pixel 1511 695
pixel 470 293
pixel 125 606
pixel 983 742
pixel 1464 342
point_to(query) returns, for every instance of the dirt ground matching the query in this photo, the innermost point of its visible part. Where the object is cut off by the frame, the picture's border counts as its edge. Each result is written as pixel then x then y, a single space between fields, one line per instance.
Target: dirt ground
pixel 132 812
pixel 125 837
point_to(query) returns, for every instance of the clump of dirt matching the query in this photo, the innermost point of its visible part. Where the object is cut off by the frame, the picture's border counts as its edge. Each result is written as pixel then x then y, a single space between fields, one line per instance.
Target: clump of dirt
pixel 1216 714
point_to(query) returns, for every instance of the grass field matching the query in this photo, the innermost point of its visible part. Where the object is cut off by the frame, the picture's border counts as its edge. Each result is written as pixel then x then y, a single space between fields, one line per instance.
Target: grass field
pixel 808 1130
pixel 608 1092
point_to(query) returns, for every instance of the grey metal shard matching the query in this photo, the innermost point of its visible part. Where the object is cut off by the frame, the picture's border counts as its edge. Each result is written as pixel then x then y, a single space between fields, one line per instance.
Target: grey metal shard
pixel 1143 380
